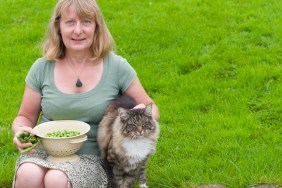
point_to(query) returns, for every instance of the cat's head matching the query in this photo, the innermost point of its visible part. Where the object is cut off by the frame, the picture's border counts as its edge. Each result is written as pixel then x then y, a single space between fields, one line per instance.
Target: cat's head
pixel 136 123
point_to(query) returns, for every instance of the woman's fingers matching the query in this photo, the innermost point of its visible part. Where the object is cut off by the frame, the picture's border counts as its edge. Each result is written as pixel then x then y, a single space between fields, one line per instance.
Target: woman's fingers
pixel 140 106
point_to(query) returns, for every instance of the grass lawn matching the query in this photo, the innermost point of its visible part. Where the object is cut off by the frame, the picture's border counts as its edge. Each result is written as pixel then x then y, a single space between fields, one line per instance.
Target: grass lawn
pixel 212 66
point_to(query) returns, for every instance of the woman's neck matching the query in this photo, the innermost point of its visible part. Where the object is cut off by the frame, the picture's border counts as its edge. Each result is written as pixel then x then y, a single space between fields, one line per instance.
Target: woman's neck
pixel 76 57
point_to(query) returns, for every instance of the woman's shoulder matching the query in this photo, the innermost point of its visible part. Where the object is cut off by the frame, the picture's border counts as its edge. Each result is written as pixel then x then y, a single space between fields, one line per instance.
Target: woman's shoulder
pixel 112 57
pixel 41 62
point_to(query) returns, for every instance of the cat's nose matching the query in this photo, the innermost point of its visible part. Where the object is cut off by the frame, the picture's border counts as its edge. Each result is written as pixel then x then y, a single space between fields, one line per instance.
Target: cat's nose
pixel 139 129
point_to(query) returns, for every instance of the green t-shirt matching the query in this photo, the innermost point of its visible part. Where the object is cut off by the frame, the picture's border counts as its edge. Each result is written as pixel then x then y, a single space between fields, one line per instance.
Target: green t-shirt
pixel 88 107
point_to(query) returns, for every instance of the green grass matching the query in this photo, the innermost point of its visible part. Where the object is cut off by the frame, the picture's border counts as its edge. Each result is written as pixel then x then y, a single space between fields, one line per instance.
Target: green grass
pixel 213 67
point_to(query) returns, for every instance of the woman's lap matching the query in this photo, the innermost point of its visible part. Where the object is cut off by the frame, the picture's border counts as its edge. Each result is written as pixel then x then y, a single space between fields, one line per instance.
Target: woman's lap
pixel 87 172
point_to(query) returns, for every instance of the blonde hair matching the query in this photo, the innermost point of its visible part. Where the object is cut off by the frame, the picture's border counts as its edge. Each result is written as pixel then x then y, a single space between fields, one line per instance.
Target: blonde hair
pixel 103 43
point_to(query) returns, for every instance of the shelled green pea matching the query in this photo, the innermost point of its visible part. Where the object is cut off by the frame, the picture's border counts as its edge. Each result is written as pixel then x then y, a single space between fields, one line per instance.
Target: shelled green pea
pixel 64 133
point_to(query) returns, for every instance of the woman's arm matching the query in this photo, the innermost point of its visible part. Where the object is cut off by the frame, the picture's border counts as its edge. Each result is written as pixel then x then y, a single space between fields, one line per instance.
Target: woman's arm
pixel 137 92
pixel 29 110
pixel 27 115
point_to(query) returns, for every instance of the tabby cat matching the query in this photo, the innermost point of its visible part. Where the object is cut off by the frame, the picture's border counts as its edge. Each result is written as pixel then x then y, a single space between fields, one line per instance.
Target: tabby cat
pixel 126 139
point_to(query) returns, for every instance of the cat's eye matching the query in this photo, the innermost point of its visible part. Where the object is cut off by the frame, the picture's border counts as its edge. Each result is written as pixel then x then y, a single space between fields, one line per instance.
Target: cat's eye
pixel 130 127
pixel 147 126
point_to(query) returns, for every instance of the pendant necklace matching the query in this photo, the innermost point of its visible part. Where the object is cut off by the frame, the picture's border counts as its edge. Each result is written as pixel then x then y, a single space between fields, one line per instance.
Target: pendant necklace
pixel 78 81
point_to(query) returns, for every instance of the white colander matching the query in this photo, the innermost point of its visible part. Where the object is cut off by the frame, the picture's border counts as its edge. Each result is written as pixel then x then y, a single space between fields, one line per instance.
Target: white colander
pixel 62 149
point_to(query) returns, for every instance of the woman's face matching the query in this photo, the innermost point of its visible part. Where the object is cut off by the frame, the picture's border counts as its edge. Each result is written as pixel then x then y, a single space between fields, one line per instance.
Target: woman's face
pixel 77 33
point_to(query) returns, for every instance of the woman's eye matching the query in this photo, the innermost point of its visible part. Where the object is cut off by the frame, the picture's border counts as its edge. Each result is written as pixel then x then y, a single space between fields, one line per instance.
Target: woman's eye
pixel 69 22
pixel 86 21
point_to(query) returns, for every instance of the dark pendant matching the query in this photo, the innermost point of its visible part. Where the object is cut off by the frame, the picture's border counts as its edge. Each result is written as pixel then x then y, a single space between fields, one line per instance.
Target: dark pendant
pixel 78 83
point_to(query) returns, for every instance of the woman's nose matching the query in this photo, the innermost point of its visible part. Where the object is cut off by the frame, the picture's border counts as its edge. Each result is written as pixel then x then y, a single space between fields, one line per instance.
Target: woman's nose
pixel 78 29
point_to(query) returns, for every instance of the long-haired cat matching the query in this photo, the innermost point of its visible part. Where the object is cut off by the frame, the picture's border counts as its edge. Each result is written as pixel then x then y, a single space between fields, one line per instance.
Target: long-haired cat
pixel 126 139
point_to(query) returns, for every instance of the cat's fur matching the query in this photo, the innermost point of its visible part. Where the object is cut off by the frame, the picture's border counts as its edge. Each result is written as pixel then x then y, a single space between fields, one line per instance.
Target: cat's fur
pixel 126 139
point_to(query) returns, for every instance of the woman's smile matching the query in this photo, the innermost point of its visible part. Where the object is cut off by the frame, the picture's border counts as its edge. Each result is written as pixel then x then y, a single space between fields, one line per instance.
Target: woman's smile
pixel 78 40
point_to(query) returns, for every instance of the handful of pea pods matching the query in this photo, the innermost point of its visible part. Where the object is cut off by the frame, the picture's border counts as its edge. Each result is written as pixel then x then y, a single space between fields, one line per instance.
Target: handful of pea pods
pixel 26 137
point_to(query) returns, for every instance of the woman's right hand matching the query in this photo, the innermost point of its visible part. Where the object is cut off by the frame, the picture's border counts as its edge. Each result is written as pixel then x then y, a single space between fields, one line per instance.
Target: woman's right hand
pixel 17 142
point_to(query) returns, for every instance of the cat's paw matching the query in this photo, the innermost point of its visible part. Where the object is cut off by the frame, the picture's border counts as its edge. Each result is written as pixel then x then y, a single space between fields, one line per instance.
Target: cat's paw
pixel 143 185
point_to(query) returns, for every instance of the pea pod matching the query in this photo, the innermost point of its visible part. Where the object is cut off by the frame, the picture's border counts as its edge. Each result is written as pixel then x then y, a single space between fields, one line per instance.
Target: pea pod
pixel 26 150
pixel 26 137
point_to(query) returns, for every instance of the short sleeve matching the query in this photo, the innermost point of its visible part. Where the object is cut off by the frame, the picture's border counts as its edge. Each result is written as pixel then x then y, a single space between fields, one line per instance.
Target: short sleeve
pixel 126 75
pixel 33 78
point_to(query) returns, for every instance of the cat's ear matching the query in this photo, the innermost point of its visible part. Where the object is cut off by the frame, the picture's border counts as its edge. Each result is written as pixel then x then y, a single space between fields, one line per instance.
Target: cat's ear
pixel 123 113
pixel 148 109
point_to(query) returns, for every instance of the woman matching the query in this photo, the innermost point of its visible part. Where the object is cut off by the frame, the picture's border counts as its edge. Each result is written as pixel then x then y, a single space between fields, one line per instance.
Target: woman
pixel 76 79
